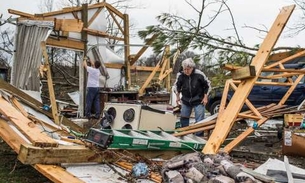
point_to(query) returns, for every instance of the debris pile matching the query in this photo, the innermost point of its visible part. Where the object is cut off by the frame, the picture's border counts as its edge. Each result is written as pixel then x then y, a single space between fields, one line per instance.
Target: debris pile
pixel 197 167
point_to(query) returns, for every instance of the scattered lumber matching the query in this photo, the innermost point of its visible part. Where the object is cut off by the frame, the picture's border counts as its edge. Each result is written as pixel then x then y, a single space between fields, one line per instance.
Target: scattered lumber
pixel 26 126
pixel 227 118
pixel 35 104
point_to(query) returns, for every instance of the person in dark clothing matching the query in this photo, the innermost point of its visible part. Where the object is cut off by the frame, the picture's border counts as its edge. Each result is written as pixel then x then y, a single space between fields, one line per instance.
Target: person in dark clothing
pixel 194 87
pixel 93 95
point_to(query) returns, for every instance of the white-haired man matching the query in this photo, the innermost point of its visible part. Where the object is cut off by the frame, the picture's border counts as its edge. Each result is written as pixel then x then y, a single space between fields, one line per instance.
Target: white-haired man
pixel 194 87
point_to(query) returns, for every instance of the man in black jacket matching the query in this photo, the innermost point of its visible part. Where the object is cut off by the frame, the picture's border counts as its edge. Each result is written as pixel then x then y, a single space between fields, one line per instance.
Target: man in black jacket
pixel 194 87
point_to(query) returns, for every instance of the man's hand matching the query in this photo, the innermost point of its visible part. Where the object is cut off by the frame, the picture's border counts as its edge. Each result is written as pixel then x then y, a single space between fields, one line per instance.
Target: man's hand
pixel 178 100
pixel 205 100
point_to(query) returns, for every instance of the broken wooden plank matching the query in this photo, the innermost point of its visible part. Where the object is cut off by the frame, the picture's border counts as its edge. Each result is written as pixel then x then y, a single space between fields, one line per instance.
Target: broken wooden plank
pixel 10 136
pixel 226 120
pixel 291 89
pixel 26 126
pixel 285 59
pixel 50 83
pixel 18 106
pixel 229 147
pixel 57 174
pixel 144 48
pixel 244 72
pixel 29 154
pixel 206 128
pixel 35 104
pixel 66 43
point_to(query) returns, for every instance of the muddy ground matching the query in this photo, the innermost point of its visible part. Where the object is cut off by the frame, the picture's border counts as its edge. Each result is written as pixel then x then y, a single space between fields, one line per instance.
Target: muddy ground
pixel 12 171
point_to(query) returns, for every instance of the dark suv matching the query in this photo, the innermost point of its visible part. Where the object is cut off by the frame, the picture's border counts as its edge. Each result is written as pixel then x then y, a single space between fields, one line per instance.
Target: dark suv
pixel 262 95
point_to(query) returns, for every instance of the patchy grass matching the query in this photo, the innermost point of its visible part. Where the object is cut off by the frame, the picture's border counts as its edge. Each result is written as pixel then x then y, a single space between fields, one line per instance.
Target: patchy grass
pixel 13 171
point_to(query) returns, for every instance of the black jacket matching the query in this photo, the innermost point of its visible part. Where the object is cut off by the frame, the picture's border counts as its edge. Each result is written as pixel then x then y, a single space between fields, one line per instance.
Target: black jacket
pixel 192 87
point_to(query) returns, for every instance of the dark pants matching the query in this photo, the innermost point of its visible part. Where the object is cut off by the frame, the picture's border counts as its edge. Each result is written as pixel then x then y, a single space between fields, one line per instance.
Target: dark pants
pixel 93 98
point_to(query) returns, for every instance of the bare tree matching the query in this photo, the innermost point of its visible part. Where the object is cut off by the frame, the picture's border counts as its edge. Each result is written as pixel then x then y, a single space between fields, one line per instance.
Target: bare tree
pixel 299 26
pixel 6 41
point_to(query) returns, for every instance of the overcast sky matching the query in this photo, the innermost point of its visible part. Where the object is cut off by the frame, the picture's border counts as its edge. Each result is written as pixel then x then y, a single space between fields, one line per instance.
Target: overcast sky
pixel 253 13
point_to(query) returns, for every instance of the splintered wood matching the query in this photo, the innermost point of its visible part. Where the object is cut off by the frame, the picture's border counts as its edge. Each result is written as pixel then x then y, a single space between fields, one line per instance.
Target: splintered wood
pixel 26 126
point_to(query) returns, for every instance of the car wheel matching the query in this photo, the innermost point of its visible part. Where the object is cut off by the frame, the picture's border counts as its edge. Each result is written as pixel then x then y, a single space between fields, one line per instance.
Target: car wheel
pixel 215 107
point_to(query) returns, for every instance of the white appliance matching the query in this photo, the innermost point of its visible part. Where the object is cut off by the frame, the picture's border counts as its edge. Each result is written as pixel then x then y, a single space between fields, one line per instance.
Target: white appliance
pixel 139 117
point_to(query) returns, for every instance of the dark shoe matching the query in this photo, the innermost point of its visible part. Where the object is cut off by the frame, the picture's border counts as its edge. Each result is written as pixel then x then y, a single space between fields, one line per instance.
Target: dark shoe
pixel 96 117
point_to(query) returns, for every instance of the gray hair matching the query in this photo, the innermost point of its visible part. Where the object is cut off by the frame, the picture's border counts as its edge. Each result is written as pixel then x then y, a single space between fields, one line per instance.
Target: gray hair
pixel 188 63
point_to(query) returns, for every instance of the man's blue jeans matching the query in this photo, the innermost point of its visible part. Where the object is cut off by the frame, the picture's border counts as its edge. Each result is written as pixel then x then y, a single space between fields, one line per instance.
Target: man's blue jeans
pixel 186 113
pixel 93 98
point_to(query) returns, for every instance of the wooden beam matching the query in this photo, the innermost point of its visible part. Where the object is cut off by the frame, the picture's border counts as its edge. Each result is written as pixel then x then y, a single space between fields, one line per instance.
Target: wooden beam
pixel 290 90
pixel 282 55
pixel 62 154
pixel 152 74
pixel 167 73
pixel 35 104
pixel 72 10
pixel 266 83
pixel 248 103
pixel 26 126
pixel 224 97
pixel 230 67
pixel 65 43
pixel 50 83
pixel 244 72
pixel 115 20
pixel 102 34
pixel 20 13
pixel 245 116
pixel 164 63
pixel 127 51
pixel 284 70
pixel 17 105
pixel 115 11
pixel 139 68
pixel 226 120
pixel 229 147
pixel 68 25
pixel 278 76
pixel 57 174
pixel 29 154
pixel 98 11
pixel 143 49
pixel 200 129
pixel 10 136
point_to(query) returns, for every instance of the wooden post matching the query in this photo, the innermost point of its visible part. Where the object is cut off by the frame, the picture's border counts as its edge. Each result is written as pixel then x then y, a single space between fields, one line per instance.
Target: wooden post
pixel 227 118
pixel 168 77
pixel 82 71
pixel 50 83
pixel 127 51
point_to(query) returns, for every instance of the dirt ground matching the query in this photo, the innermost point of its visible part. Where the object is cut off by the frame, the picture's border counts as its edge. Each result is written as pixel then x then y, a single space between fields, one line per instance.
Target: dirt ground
pixel 12 171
